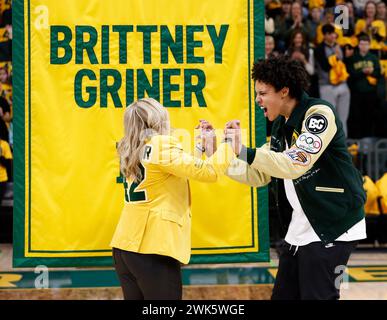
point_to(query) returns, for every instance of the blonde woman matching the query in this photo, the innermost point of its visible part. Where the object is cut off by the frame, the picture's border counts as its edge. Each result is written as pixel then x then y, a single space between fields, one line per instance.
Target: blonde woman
pixel 153 235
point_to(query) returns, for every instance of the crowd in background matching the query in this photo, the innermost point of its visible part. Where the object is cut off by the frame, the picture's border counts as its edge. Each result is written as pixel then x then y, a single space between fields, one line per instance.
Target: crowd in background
pixel 342 45
pixel 6 107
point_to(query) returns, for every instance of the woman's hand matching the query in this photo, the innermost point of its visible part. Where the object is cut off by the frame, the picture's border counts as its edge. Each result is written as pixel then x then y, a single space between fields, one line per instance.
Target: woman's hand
pixel 207 137
pixel 232 133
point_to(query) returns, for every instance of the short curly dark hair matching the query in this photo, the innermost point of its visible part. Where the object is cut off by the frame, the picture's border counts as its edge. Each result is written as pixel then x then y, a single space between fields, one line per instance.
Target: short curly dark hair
pixel 281 72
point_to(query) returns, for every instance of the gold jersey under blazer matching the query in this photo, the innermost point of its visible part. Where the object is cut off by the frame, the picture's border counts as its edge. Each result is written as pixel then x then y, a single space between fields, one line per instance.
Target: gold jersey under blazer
pixel 156 218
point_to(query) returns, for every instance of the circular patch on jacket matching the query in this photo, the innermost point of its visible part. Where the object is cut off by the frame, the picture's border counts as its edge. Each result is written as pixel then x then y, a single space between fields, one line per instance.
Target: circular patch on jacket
pixel 316 123
pixel 309 143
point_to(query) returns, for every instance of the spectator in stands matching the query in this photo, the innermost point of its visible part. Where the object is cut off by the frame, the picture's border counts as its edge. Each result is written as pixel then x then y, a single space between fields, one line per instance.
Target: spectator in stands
pixel 330 4
pixel 349 49
pixel 375 28
pixel 5 13
pixel 5 109
pixel 273 8
pixel 364 71
pixel 8 28
pixel 269 25
pixel 329 18
pixel 5 30
pixel 371 206
pixel 280 24
pixel 5 83
pixel 299 50
pixel 296 22
pixel 5 164
pixel 269 46
pixel 314 21
pixel 359 5
pixel 332 74
pixel 304 9
pixel 381 12
pixel 382 186
pixel 6 104
pixel 6 38
pixel 4 115
pixel 316 4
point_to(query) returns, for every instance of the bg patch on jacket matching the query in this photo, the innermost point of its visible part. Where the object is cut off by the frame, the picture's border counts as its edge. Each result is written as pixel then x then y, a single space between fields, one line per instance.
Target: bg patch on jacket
pixel 309 143
pixel 316 123
pixel 298 156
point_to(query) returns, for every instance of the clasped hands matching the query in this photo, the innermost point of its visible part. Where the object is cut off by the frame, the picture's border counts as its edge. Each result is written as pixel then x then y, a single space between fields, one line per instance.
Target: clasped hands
pixel 207 137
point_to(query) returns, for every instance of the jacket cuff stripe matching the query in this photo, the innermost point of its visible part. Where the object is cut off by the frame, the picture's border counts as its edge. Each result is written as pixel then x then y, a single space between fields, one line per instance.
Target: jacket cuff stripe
pixel 247 154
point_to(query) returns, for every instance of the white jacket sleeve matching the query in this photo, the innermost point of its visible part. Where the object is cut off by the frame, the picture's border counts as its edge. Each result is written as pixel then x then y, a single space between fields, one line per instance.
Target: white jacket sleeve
pixel 318 129
pixel 242 172
pixel 168 154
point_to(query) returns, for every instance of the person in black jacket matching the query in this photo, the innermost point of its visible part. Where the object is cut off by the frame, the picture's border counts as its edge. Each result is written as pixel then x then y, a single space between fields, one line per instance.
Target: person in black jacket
pixel 364 71
pixel 4 112
pixel 311 172
pixel 336 93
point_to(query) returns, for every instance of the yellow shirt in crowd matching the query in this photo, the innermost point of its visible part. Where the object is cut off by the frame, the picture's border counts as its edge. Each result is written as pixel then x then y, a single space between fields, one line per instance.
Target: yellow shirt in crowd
pixel 316 4
pixel 378 25
pixel 320 36
pixel 5 4
pixel 7 154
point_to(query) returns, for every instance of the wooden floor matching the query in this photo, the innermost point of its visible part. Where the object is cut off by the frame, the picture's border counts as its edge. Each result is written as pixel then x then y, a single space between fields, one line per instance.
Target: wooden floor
pixel 366 278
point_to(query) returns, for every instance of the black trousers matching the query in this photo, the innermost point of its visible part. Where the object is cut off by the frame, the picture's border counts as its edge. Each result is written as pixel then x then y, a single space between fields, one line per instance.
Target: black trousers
pixel 148 276
pixel 312 272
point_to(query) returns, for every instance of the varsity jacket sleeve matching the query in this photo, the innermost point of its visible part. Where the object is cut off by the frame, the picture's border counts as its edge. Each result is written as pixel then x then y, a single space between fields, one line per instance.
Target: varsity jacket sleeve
pixel 242 172
pixel 168 154
pixel 318 129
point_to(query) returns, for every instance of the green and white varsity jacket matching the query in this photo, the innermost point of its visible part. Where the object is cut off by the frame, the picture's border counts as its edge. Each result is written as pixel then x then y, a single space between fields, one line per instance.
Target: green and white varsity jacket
pixel 328 186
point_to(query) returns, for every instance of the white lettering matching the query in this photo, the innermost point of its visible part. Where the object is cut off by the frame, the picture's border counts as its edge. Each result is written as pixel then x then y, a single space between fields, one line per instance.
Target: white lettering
pixel 159 310
pixel 42 280
pixel 41 21
pixel 342 18
pixel 316 124
pixel 341 280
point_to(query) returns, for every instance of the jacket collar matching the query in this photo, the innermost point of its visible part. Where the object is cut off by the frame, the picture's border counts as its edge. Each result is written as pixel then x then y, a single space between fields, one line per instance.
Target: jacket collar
pixel 295 119
pixel 298 112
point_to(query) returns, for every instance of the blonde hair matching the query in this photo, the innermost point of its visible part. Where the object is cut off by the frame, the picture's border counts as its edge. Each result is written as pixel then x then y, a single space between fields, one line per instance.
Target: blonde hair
pixel 142 119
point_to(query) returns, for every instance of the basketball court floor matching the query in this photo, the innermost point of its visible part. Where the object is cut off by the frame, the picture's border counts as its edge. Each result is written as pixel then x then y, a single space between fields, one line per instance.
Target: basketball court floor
pixel 364 279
